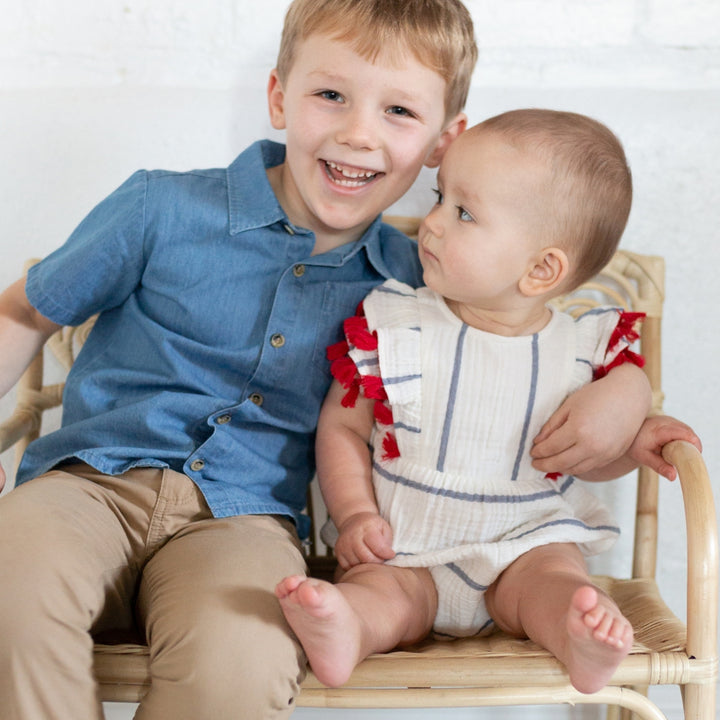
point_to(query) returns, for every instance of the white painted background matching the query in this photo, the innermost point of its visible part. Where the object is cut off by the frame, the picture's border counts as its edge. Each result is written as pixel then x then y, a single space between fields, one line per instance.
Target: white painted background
pixel 91 90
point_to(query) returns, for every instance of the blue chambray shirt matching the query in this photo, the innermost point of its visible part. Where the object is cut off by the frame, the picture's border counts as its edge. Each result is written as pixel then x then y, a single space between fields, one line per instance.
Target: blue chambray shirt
pixel 209 353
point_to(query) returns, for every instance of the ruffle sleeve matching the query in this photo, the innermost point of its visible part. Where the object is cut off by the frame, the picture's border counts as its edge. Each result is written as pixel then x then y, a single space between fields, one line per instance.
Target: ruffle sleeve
pixel 605 337
pixel 381 321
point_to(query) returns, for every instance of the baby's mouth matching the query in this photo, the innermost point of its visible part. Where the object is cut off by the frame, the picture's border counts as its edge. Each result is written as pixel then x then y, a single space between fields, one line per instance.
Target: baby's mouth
pixel 349 176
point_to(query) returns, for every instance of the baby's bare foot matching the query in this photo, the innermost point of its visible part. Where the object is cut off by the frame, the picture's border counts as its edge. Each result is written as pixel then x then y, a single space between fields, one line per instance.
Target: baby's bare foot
pixel 599 639
pixel 325 624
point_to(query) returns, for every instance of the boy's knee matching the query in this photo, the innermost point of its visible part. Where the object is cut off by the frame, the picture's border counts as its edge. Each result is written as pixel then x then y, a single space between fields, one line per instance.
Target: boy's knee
pixel 217 679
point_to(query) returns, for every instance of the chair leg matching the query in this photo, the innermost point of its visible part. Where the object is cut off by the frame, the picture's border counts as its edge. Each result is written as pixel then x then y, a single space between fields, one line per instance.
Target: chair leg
pixel 699 701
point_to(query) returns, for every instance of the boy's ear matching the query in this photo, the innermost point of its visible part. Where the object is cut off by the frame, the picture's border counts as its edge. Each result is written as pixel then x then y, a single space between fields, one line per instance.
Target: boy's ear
pixel 547 271
pixel 451 131
pixel 276 101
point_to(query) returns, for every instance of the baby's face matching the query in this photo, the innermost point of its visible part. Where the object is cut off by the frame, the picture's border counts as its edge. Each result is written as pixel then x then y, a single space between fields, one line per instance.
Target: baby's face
pixel 486 229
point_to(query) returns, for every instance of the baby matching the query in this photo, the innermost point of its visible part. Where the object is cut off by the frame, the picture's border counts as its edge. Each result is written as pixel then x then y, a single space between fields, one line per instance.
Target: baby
pixel 425 438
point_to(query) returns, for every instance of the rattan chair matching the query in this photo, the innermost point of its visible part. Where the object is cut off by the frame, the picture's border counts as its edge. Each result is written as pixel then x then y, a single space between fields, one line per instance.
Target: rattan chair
pixel 500 670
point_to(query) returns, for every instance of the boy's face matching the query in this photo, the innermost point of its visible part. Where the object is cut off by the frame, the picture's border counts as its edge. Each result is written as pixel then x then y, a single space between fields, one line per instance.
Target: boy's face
pixel 357 133
pixel 486 231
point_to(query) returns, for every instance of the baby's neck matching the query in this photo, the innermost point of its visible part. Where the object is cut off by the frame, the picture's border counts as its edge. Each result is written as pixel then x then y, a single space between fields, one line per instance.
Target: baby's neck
pixel 510 323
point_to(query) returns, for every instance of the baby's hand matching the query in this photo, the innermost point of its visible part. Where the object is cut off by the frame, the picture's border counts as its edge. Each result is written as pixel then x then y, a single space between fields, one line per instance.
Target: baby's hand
pixel 655 432
pixel 364 538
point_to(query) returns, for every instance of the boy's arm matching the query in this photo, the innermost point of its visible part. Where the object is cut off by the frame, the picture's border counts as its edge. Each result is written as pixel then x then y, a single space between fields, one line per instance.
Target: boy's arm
pixel 596 425
pixel 23 331
pixel 344 468
pixel 647 447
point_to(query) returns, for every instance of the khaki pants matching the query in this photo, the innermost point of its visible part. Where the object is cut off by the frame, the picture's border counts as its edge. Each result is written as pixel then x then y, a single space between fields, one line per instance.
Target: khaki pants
pixel 83 552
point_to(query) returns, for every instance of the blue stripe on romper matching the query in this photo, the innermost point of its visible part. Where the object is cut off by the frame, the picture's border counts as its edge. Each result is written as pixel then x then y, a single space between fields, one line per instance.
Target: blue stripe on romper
pixel 529 408
pixel 451 399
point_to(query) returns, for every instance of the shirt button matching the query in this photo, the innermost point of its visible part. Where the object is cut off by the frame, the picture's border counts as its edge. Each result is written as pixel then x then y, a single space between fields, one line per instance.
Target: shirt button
pixel 197 465
pixel 298 270
pixel 223 420
pixel 277 340
pixel 257 398
pixel 288 230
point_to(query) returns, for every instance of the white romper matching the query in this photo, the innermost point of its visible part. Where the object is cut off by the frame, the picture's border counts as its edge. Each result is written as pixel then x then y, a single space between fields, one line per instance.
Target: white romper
pixel 462 496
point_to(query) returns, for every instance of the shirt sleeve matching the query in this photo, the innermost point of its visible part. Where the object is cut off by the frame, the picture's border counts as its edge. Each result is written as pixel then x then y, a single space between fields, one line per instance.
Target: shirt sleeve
pixel 101 262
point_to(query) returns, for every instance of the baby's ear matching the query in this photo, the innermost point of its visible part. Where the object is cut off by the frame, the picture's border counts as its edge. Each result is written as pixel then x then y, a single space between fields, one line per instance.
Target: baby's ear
pixel 549 268
pixel 456 126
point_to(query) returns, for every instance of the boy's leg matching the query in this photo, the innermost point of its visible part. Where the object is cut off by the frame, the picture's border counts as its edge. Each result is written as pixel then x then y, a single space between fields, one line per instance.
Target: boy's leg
pixel 220 646
pixel 66 564
pixel 373 608
pixel 547 595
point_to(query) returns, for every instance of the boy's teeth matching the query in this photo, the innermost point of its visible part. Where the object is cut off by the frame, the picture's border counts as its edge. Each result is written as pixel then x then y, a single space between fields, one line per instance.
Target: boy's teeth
pixel 350 176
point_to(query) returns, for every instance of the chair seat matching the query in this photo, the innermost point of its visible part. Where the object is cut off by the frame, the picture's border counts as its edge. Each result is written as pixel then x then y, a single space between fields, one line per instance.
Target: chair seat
pixel 658 656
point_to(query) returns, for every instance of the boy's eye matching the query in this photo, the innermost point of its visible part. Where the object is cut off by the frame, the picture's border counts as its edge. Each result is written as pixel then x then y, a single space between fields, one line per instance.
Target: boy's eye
pixel 332 95
pixel 399 110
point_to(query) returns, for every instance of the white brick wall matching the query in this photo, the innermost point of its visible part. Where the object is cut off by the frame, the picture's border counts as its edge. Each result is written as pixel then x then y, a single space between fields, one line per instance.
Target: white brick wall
pixel 90 90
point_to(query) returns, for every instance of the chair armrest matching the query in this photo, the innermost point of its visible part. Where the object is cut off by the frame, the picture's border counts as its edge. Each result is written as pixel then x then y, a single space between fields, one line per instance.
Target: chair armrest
pixel 19 424
pixel 702 548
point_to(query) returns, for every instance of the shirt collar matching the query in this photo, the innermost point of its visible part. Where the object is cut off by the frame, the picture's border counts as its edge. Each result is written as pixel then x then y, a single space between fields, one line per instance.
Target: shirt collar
pixel 253 205
pixel 252 202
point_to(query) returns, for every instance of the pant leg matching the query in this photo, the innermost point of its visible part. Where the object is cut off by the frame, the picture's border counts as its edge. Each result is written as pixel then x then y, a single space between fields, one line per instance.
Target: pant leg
pixel 66 565
pixel 220 646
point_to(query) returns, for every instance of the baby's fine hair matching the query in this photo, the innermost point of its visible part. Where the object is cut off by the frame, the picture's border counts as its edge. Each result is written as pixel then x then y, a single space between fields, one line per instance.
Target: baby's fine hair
pixel 438 33
pixel 591 183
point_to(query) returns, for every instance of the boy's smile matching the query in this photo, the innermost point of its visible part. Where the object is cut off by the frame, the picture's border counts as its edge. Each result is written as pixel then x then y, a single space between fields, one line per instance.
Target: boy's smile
pixel 349 177
pixel 358 133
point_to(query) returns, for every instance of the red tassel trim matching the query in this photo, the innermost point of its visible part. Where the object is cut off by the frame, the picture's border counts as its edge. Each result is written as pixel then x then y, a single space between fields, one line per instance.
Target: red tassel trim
pixel 625 356
pixel 390 447
pixel 382 413
pixel 336 351
pixel 553 475
pixel 373 387
pixel 627 328
pixel 344 371
pixel 351 396
pixel 358 335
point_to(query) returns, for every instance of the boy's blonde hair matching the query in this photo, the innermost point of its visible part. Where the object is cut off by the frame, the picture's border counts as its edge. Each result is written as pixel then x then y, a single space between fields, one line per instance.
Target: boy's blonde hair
pixel 590 189
pixel 439 33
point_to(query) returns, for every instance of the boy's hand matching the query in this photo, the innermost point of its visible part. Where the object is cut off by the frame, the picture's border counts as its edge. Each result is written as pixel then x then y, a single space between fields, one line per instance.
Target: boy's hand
pixel 363 538
pixel 655 432
pixel 2 478
pixel 595 425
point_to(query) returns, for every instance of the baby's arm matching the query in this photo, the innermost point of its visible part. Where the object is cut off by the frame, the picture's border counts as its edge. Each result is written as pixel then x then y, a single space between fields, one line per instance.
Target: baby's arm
pixel 596 425
pixel 23 331
pixel 345 476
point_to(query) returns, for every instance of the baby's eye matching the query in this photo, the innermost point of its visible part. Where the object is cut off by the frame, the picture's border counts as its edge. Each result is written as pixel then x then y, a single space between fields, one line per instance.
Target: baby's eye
pixel 331 95
pixel 438 196
pixel 464 215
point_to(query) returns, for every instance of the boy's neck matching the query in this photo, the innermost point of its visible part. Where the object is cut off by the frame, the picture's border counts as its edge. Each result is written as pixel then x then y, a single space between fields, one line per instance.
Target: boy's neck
pixel 326 239
pixel 508 323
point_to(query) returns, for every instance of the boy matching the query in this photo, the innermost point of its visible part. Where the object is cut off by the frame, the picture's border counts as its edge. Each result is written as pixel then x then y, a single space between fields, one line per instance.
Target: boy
pixel 173 492
pixel 424 453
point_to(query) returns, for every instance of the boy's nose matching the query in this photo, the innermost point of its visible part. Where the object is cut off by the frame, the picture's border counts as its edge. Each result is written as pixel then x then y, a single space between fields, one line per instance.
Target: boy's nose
pixel 358 132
